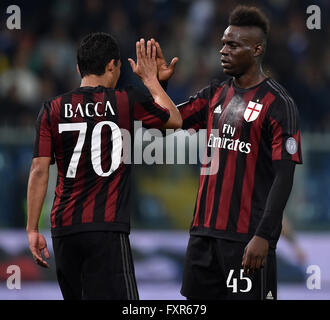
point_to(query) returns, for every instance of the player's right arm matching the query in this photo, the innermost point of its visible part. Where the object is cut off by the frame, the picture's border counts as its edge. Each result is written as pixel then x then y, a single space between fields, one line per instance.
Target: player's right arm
pixel 146 69
pixel 194 111
pixel 37 188
pixel 38 183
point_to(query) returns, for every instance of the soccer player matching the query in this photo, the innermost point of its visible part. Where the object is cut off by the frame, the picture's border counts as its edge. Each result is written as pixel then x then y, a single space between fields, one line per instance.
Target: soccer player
pixel 82 131
pixel 254 139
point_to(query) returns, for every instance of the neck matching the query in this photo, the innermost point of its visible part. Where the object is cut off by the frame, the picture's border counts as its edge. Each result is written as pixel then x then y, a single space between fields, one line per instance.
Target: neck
pixel 95 81
pixel 251 78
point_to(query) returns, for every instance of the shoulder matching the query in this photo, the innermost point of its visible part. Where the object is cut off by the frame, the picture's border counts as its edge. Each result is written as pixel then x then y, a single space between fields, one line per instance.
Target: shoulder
pixel 209 91
pixel 62 95
pixel 216 84
pixel 283 109
pixel 280 93
pixel 283 100
pixel 137 94
pixel 56 100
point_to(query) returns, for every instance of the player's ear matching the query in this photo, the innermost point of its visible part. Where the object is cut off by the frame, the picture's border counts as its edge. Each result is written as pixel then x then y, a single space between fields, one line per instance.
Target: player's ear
pixel 111 65
pixel 78 70
pixel 259 50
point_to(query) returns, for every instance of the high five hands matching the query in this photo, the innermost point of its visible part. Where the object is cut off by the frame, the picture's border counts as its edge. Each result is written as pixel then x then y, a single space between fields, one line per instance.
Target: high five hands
pixel 165 71
pixel 151 61
pixel 145 66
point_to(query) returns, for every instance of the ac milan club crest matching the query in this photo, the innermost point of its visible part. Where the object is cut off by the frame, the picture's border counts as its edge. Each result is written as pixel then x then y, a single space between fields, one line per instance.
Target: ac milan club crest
pixel 252 111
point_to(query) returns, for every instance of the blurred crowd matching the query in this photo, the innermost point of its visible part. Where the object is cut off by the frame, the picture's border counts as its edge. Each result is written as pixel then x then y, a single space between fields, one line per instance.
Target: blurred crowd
pixel 39 61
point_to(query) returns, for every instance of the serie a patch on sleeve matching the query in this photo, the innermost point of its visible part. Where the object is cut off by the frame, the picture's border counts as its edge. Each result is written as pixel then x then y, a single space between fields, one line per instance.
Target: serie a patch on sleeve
pixel 291 145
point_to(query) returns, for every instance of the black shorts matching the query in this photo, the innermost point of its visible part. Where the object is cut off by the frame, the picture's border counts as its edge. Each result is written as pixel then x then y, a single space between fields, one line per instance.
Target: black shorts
pixel 213 271
pixel 95 265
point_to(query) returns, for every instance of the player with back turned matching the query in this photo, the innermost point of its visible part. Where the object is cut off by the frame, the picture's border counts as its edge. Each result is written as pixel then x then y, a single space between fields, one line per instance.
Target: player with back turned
pixel 253 138
pixel 83 131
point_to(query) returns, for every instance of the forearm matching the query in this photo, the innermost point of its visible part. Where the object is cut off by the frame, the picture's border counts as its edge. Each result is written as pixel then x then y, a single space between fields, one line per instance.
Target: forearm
pixel 162 99
pixel 37 188
pixel 278 196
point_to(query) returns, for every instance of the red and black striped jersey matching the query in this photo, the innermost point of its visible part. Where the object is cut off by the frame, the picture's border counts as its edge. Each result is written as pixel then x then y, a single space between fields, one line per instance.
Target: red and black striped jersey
pixel 247 129
pixel 84 131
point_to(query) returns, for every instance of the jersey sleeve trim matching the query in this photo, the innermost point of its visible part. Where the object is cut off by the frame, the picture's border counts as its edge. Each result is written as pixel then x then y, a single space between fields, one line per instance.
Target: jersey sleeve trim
pixel 43 146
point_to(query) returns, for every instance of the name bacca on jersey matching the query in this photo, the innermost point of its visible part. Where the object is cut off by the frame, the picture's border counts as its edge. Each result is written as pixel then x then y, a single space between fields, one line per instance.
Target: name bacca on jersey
pixel 88 110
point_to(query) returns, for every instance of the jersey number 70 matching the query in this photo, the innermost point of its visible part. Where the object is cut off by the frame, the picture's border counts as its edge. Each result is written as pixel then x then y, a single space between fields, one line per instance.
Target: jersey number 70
pixel 95 146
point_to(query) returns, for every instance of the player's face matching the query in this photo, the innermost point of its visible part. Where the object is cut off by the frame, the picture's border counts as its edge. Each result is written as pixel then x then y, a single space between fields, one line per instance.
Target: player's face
pixel 237 51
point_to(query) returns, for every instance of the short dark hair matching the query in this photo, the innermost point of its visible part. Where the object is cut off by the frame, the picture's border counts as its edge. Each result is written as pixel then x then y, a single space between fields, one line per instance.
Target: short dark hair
pixel 95 51
pixel 245 16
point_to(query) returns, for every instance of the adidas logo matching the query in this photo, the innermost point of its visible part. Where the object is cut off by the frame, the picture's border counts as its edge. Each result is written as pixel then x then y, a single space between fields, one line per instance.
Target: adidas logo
pixel 218 109
pixel 269 296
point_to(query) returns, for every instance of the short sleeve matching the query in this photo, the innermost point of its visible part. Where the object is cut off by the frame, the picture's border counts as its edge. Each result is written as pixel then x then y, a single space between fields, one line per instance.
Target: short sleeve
pixel 194 111
pixel 44 145
pixel 284 130
pixel 145 109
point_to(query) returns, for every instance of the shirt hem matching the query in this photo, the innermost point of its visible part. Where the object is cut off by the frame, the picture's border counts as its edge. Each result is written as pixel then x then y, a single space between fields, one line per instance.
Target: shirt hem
pixel 227 235
pixel 88 227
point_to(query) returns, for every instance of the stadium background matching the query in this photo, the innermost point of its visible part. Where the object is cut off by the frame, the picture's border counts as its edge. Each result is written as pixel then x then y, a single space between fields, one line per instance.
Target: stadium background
pixel 38 62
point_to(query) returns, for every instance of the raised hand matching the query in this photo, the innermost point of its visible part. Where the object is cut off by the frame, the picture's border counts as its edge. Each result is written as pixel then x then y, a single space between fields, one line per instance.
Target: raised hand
pixel 164 71
pixel 145 66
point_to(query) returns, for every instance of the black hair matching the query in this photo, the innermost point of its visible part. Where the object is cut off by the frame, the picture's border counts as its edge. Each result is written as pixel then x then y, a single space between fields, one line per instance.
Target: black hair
pixel 245 16
pixel 95 51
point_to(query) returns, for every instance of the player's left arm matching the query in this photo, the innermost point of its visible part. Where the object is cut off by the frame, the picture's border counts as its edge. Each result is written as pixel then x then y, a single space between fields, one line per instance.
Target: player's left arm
pixel 37 188
pixel 286 153
pixel 256 251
